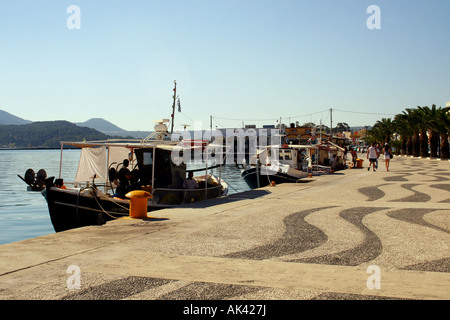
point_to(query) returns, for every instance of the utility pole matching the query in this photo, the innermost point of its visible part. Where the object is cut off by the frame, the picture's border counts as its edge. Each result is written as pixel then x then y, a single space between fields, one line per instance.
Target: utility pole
pixel 331 124
pixel 173 105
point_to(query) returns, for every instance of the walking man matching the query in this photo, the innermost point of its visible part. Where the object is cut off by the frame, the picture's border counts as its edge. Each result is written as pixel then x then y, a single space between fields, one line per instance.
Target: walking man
pixel 372 155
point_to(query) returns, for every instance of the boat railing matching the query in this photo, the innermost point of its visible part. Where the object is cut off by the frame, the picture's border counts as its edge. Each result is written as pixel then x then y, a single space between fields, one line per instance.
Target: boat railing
pixel 184 189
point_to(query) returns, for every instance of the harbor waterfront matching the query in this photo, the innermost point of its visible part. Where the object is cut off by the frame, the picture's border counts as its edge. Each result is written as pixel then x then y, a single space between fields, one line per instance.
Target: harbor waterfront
pixel 355 234
pixel 24 214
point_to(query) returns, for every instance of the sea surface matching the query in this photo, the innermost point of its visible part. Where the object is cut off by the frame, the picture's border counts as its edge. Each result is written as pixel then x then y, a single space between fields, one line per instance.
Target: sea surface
pixel 24 214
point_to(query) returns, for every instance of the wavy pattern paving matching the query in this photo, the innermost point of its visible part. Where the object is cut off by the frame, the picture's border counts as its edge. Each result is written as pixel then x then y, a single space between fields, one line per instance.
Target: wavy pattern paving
pixel 299 236
pixel 445 187
pixel 415 215
pixel 209 291
pixel 398 177
pixel 440 265
pixel 117 289
pixel 373 193
pixel 417 197
pixel 368 250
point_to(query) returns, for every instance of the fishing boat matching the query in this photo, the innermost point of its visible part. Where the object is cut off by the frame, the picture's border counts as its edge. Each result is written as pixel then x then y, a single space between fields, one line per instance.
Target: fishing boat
pixel 274 165
pixel 101 189
pixel 112 173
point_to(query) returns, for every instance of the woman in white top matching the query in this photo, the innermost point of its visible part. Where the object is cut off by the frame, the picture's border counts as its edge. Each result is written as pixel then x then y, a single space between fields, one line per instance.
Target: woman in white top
pixel 372 155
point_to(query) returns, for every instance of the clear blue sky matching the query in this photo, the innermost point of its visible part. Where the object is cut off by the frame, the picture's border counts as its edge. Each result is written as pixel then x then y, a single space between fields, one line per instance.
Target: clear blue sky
pixel 250 60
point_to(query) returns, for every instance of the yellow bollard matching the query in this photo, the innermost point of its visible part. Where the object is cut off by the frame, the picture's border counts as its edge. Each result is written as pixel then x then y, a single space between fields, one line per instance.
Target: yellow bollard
pixel 138 203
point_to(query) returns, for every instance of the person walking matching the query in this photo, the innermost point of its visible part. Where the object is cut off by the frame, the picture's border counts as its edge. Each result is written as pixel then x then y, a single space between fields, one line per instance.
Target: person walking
pixel 387 150
pixel 354 156
pixel 372 155
pixel 378 150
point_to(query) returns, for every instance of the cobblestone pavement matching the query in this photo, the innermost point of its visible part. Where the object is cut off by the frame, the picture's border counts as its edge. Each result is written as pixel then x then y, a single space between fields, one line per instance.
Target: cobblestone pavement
pixel 355 234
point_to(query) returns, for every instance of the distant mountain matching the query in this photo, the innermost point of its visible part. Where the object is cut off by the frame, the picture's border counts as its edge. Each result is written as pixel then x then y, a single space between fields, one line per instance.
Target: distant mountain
pixel 46 134
pixel 111 129
pixel 8 118
pixel 101 125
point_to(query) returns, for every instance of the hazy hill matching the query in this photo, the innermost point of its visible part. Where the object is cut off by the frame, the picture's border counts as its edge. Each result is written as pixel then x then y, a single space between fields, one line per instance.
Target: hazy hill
pixel 7 118
pixel 109 128
pixel 101 125
pixel 45 134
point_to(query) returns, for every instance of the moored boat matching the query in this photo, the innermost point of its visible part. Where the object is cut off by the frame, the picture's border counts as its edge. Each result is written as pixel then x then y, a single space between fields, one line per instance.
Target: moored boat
pixel 99 192
pixel 274 165
pixel 113 173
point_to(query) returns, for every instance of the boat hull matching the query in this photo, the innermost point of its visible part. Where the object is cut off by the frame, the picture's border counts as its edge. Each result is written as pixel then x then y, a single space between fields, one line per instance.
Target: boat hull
pixel 251 176
pixel 75 208
pixel 69 209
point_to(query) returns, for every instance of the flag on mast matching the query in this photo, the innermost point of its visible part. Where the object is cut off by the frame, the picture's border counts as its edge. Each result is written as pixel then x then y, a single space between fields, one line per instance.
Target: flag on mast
pixel 179 105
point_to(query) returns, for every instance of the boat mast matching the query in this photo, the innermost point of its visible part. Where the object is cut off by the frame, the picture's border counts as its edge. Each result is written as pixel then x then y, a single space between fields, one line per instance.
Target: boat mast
pixel 173 105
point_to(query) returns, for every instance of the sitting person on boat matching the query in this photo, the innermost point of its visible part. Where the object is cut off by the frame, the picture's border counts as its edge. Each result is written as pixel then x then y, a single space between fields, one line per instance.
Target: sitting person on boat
pixel 190 183
pixel 125 177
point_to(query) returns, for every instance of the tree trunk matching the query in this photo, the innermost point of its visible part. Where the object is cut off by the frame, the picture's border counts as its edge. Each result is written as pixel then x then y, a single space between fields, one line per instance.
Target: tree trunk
pixel 404 149
pixel 416 144
pixel 434 143
pixel 423 144
pixel 409 146
pixel 444 146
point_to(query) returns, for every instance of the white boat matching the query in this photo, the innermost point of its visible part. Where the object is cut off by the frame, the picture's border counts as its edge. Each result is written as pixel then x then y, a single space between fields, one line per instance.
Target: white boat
pixel 275 165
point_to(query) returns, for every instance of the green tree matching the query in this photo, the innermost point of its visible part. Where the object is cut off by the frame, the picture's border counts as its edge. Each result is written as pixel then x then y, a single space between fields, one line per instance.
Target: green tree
pixel 342 126
pixel 403 128
pixel 442 124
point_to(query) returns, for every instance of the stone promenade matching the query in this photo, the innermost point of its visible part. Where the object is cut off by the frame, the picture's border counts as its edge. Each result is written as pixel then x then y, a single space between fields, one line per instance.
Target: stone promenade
pixel 355 234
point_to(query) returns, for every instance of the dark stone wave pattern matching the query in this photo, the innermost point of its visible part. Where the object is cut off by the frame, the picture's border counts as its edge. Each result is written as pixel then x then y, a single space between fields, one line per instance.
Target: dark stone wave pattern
pixel 440 265
pixel 209 291
pixel 299 236
pixel 445 187
pixel 367 251
pixel 417 197
pixel 415 215
pixel 398 177
pixel 373 193
pixel 118 289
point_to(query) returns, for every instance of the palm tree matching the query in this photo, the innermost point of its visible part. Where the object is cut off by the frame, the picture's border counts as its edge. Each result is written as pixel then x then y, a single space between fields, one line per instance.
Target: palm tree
pixel 442 124
pixel 402 127
pixel 385 128
pixel 414 120
pixel 429 122
pixel 373 135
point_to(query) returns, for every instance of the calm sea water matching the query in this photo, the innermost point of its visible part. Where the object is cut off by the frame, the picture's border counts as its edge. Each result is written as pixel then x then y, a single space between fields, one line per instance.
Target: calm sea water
pixel 24 214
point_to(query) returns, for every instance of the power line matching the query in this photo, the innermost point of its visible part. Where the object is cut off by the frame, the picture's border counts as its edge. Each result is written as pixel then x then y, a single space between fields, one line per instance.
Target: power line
pixel 271 119
pixel 360 112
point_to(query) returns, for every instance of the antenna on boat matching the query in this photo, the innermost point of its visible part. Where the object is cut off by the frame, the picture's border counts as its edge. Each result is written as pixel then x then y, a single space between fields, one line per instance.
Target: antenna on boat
pixel 173 105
